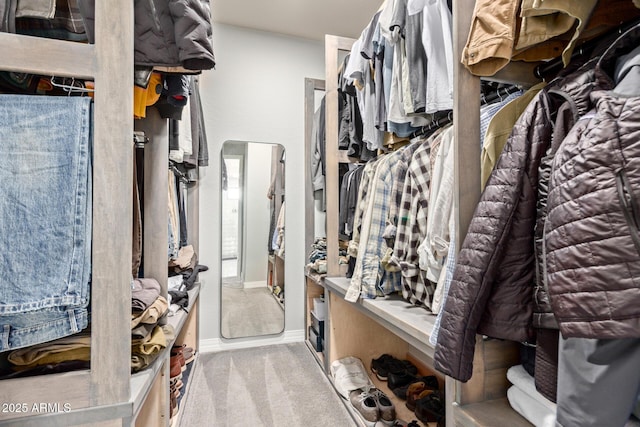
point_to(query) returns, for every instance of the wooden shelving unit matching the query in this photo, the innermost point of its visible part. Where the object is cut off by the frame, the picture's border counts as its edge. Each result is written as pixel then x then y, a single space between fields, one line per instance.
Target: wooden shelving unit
pixel 108 395
pixel 368 328
pixel 103 392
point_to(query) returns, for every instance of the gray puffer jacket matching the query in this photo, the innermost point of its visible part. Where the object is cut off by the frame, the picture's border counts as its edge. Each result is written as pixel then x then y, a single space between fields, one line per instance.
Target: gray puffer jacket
pixel 574 103
pixel 168 33
pixel 592 236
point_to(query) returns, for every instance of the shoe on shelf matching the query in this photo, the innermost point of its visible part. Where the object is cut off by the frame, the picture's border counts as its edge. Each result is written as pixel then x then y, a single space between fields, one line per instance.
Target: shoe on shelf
pixel 431 408
pixel 176 383
pixel 175 369
pixel 350 374
pixel 399 423
pixel 430 382
pixel 386 364
pixel 400 379
pixel 386 408
pixel 412 398
pixel 382 365
pixel 366 405
pixel 189 355
pixel 177 352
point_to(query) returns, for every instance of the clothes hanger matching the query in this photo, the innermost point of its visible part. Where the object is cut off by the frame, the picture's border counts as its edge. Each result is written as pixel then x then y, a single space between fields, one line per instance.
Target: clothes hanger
pixel 179 174
pixel 548 70
pixel 140 139
pixel 499 94
pixel 76 86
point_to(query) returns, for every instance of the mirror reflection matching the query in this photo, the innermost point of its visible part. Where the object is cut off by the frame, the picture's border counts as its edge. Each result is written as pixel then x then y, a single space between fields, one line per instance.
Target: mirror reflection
pixel 252 239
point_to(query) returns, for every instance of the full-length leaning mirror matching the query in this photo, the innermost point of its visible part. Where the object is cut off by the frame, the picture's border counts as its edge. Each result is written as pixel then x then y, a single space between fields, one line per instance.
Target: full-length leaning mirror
pixel 252 239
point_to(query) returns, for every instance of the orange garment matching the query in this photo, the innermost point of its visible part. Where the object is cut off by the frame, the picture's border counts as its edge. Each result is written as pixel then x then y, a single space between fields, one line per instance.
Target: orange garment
pixel 143 98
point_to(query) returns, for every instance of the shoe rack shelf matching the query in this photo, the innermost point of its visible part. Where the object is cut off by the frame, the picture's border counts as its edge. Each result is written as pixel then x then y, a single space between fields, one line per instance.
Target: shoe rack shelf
pixel 314 288
pixel 142 382
pixel 412 324
pixel 369 328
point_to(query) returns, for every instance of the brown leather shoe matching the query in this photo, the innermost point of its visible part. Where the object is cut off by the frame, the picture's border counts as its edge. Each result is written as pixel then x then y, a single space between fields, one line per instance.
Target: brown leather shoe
pixel 414 397
pixel 175 368
pixel 179 359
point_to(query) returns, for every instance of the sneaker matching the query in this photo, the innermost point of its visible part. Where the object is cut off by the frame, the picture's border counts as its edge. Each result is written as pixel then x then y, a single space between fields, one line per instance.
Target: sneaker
pixel 386 364
pixel 383 364
pixel 366 405
pixel 350 374
pixel 385 407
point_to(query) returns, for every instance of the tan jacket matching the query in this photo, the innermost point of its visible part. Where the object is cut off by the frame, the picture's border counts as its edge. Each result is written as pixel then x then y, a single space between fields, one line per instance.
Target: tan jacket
pixel 500 128
pixel 543 20
pixel 533 30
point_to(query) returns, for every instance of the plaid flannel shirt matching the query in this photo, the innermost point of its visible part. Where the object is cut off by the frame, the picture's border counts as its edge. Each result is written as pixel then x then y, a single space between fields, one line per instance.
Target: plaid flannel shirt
pixel 399 174
pixel 376 281
pixel 412 226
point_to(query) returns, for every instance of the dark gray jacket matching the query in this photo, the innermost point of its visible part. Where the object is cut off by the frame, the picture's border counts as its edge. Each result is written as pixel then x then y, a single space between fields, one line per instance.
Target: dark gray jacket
pixel 168 33
pixel 592 236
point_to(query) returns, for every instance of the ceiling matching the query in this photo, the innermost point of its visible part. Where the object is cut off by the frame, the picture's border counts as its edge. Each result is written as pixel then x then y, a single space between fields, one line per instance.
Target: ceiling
pixel 310 19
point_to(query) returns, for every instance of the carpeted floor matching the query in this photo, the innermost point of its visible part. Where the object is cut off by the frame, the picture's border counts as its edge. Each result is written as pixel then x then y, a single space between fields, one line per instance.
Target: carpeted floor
pixel 249 312
pixel 273 386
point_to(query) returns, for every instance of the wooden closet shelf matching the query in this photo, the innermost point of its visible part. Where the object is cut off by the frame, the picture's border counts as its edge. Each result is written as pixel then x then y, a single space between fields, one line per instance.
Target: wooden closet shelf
pixel 47 57
pixel 412 324
pixel 489 413
pixel 142 381
pixel 316 278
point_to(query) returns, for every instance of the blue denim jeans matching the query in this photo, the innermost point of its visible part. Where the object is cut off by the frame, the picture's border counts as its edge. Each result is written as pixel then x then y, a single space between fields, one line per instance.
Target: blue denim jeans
pixel 45 218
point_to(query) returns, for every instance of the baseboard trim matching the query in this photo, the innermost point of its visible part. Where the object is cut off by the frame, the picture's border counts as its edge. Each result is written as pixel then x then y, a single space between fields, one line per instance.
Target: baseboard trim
pixel 257 284
pixel 219 344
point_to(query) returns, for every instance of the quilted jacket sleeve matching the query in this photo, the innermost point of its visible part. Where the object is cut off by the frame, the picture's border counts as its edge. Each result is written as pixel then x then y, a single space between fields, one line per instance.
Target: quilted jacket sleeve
pixel 193 33
pixel 480 260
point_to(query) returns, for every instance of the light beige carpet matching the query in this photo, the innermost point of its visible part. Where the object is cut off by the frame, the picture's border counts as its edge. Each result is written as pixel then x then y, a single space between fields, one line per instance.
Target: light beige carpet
pixel 249 312
pixel 274 386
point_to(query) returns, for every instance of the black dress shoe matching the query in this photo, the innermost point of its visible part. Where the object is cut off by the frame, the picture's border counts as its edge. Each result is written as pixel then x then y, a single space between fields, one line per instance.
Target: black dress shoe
pixel 431 409
pixel 399 379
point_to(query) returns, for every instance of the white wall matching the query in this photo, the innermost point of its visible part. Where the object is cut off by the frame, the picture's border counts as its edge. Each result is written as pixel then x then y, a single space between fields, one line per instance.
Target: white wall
pixel 255 94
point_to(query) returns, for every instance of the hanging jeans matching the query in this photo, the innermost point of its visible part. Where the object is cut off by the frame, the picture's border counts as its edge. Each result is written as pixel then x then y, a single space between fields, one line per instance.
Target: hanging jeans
pixel 45 218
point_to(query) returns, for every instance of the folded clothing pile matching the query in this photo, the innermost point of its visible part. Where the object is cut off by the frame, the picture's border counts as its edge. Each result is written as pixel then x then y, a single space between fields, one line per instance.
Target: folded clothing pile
pixel 527 401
